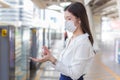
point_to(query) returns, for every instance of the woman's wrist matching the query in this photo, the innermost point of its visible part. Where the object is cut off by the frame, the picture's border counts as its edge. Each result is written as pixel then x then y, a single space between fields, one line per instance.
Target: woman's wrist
pixel 53 60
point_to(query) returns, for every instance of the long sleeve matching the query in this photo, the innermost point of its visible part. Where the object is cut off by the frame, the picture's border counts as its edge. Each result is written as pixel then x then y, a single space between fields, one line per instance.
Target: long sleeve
pixel 82 56
pixel 74 71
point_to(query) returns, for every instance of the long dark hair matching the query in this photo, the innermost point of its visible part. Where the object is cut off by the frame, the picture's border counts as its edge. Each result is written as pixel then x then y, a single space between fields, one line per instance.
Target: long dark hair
pixel 78 10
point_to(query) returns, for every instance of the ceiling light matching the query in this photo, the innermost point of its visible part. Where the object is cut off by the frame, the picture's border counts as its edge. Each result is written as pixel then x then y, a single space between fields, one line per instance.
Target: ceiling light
pixel 64 4
pixel 55 7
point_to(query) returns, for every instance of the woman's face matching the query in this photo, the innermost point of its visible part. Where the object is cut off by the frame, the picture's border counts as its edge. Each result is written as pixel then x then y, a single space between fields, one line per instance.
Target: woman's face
pixel 70 16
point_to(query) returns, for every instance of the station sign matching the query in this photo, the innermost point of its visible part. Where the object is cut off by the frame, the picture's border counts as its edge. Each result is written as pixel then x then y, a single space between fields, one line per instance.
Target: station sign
pixel 3 32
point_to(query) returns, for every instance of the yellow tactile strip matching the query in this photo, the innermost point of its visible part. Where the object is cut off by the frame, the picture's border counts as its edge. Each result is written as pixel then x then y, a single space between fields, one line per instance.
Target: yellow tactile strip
pixel 99 72
pixel 106 68
pixel 38 74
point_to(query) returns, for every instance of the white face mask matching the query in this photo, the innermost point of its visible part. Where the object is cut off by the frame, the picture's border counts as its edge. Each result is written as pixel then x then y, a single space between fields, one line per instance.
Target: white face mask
pixel 69 25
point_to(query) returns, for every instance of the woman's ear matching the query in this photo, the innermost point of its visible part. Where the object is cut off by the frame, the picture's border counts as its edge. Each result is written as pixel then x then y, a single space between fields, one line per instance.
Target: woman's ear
pixel 79 20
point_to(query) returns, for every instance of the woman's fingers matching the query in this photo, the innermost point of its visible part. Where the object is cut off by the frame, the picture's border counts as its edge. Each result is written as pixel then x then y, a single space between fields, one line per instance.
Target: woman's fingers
pixel 39 60
pixel 46 50
pixel 43 59
pixel 34 59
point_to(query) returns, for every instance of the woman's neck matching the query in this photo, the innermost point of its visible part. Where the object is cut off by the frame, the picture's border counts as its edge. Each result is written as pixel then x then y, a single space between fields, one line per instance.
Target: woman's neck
pixel 77 33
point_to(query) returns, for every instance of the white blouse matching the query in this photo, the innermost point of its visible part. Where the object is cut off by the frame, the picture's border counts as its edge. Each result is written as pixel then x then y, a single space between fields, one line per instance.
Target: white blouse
pixel 76 57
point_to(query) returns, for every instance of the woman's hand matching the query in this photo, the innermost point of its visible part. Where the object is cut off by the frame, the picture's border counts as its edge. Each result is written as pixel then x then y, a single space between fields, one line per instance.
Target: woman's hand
pixel 45 57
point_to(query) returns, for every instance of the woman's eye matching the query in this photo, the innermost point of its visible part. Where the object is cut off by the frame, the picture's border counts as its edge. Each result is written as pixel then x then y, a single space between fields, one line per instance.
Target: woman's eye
pixel 69 19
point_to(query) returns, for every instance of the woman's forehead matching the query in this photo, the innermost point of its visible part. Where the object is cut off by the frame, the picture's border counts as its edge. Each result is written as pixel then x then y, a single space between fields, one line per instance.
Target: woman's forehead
pixel 67 14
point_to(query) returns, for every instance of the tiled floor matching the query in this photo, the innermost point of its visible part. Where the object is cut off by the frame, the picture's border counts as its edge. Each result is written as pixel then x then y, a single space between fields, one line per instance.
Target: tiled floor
pixel 104 67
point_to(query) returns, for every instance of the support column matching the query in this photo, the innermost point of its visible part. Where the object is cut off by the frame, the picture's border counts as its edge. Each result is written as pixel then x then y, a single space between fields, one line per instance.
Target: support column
pixel 90 18
pixel 90 15
pixel 118 6
pixel 97 31
pixel 95 26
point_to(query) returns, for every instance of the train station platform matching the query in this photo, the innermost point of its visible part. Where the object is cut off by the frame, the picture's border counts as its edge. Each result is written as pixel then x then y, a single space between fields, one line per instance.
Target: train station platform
pixel 104 66
pixel 27 25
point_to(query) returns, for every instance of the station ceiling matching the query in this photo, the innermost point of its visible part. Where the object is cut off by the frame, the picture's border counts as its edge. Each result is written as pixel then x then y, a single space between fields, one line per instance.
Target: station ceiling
pixel 104 8
pixel 46 3
pixel 4 4
pixel 99 7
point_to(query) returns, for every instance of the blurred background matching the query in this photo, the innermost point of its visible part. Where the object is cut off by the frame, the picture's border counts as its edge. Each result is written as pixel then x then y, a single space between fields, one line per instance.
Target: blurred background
pixel 27 25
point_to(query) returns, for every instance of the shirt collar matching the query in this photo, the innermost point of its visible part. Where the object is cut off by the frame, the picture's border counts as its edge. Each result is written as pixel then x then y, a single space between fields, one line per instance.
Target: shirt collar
pixel 85 35
pixel 78 38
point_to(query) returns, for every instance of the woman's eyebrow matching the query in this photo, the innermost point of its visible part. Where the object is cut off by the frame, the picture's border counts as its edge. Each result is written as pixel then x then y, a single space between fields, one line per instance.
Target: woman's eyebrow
pixel 67 16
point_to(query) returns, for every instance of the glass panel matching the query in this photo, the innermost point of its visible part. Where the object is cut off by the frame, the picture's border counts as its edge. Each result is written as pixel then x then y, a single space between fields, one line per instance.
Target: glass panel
pixel 22 53
pixel 25 52
pixel 12 52
pixel 18 54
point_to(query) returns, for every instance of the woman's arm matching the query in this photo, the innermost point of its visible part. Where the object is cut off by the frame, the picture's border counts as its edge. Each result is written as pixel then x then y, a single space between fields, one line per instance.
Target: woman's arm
pixel 76 69
pixel 82 57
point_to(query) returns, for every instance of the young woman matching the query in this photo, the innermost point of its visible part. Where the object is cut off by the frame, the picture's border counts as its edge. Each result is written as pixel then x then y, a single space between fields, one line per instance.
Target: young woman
pixel 78 53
